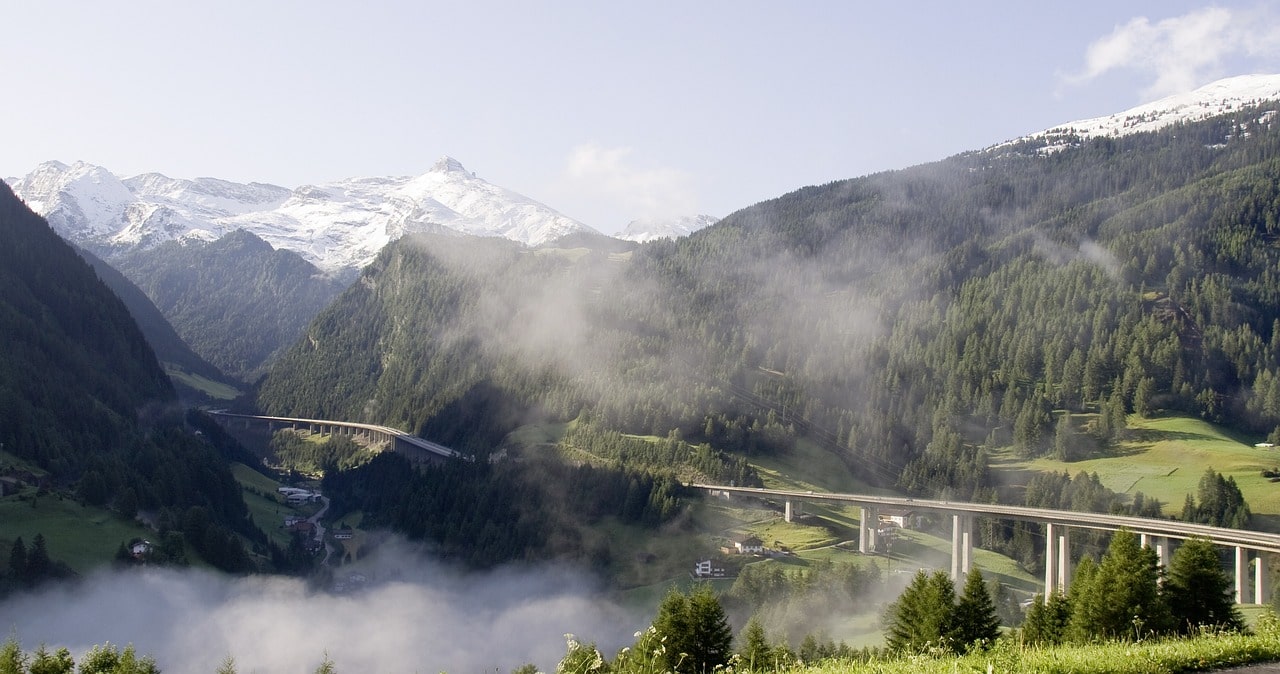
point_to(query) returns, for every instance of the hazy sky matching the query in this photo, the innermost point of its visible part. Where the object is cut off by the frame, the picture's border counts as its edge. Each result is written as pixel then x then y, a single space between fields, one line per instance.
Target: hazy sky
pixel 604 111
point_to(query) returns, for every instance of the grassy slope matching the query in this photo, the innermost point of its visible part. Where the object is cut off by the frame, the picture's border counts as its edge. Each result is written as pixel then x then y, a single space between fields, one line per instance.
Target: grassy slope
pixel 211 388
pixel 1199 653
pixel 83 537
pixel 1165 458
pixel 265 506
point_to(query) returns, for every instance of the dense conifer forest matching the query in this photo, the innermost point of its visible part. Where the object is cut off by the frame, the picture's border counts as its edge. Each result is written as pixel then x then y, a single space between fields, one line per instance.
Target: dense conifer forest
pixel 236 301
pixel 909 322
pixel 83 399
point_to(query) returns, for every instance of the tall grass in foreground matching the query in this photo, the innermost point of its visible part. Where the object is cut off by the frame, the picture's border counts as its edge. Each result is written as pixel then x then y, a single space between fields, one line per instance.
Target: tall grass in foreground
pixel 1190 654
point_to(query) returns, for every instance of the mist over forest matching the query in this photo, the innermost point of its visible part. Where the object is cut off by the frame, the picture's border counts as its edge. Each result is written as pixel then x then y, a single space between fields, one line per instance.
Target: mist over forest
pixel 413 614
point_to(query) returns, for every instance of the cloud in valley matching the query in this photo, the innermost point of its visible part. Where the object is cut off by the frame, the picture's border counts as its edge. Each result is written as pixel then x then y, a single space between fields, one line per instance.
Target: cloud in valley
pixel 1181 53
pixel 414 616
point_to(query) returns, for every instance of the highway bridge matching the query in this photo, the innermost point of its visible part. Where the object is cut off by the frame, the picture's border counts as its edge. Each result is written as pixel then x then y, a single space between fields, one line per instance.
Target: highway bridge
pixel 396 438
pixel 1058 525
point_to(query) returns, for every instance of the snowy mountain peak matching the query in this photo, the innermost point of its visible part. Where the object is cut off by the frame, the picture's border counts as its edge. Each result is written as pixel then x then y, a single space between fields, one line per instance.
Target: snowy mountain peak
pixel 651 229
pixel 1215 98
pixel 447 164
pixel 336 226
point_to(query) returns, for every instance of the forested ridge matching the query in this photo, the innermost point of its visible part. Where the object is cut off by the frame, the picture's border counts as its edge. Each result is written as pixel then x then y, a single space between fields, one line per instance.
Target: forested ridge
pixel 84 399
pixel 161 336
pixel 236 301
pixel 908 321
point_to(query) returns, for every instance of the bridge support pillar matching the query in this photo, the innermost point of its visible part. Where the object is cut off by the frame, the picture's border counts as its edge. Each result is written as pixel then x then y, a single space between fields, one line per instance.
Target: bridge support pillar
pixel 1064 559
pixel 961 546
pixel 1158 543
pixel 1261 586
pixel 1242 573
pixel 1050 559
pixel 867 524
pixel 786 511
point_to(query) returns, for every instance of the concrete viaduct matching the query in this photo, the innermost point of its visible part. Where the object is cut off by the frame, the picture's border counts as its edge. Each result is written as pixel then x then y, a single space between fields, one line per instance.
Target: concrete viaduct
pixel 1252 548
pixel 396 438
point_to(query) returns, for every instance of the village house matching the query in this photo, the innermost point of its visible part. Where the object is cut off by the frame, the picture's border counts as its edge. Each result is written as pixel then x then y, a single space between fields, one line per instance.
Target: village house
pixel 900 518
pixel 709 568
pixel 751 545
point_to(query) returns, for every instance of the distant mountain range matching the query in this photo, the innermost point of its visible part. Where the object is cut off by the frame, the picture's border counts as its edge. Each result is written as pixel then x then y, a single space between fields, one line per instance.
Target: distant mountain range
pixel 336 226
pixel 651 229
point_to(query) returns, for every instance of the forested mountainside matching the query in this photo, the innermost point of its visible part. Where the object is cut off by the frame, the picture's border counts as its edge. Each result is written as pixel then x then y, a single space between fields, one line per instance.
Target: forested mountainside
pixel 907 321
pixel 236 301
pixel 163 339
pixel 83 397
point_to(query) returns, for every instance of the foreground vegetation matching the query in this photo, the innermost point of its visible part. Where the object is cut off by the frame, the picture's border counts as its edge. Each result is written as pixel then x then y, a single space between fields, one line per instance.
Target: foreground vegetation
pixel 1202 652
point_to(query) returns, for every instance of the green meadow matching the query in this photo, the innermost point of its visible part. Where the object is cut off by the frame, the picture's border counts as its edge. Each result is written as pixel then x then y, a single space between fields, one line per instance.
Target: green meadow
pixel 1165 457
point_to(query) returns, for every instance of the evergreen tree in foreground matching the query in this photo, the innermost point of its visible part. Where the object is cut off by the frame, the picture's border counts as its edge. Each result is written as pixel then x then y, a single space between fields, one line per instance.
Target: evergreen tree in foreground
pixel 1121 598
pixel 922 616
pixel 974 618
pixel 1047 620
pixel 694 632
pixel 755 646
pixel 1198 591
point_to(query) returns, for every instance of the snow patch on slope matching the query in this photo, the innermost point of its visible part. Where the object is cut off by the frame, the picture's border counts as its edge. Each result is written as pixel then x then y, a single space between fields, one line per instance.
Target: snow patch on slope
pixel 339 225
pixel 652 229
pixel 1217 98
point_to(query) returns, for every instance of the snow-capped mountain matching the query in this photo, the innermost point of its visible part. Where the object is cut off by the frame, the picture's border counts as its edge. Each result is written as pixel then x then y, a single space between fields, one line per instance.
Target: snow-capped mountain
pixel 651 229
pixel 1216 98
pixel 339 225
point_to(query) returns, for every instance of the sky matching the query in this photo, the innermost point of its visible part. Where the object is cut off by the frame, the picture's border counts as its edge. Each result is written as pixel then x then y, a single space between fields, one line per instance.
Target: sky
pixel 607 112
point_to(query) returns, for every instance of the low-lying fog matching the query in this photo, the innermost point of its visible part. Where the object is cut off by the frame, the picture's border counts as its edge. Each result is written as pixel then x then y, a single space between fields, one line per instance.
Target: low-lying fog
pixel 412 615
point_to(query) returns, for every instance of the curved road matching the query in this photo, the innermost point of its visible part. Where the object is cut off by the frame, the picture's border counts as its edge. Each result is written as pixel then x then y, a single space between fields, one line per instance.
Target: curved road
pixel 315 521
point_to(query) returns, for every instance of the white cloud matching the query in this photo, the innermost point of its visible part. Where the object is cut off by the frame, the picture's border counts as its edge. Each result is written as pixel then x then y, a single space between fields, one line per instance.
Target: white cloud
pixel 421 618
pixel 1183 52
pixel 620 191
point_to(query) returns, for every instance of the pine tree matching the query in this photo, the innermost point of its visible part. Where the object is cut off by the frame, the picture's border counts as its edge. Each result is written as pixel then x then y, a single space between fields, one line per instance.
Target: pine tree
pixel 45 662
pixel 921 617
pixel 1142 396
pixel 18 560
pixel 710 635
pixel 1121 599
pixel 974 618
pixel 1047 620
pixel 672 628
pixel 39 566
pixel 12 659
pixel 1066 442
pixel 107 659
pixel 1198 591
pixel 755 646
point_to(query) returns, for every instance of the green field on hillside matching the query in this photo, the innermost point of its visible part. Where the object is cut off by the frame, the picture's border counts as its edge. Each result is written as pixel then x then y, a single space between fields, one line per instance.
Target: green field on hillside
pixel 211 388
pixel 1165 458
pixel 266 508
pixel 82 537
pixel 809 466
